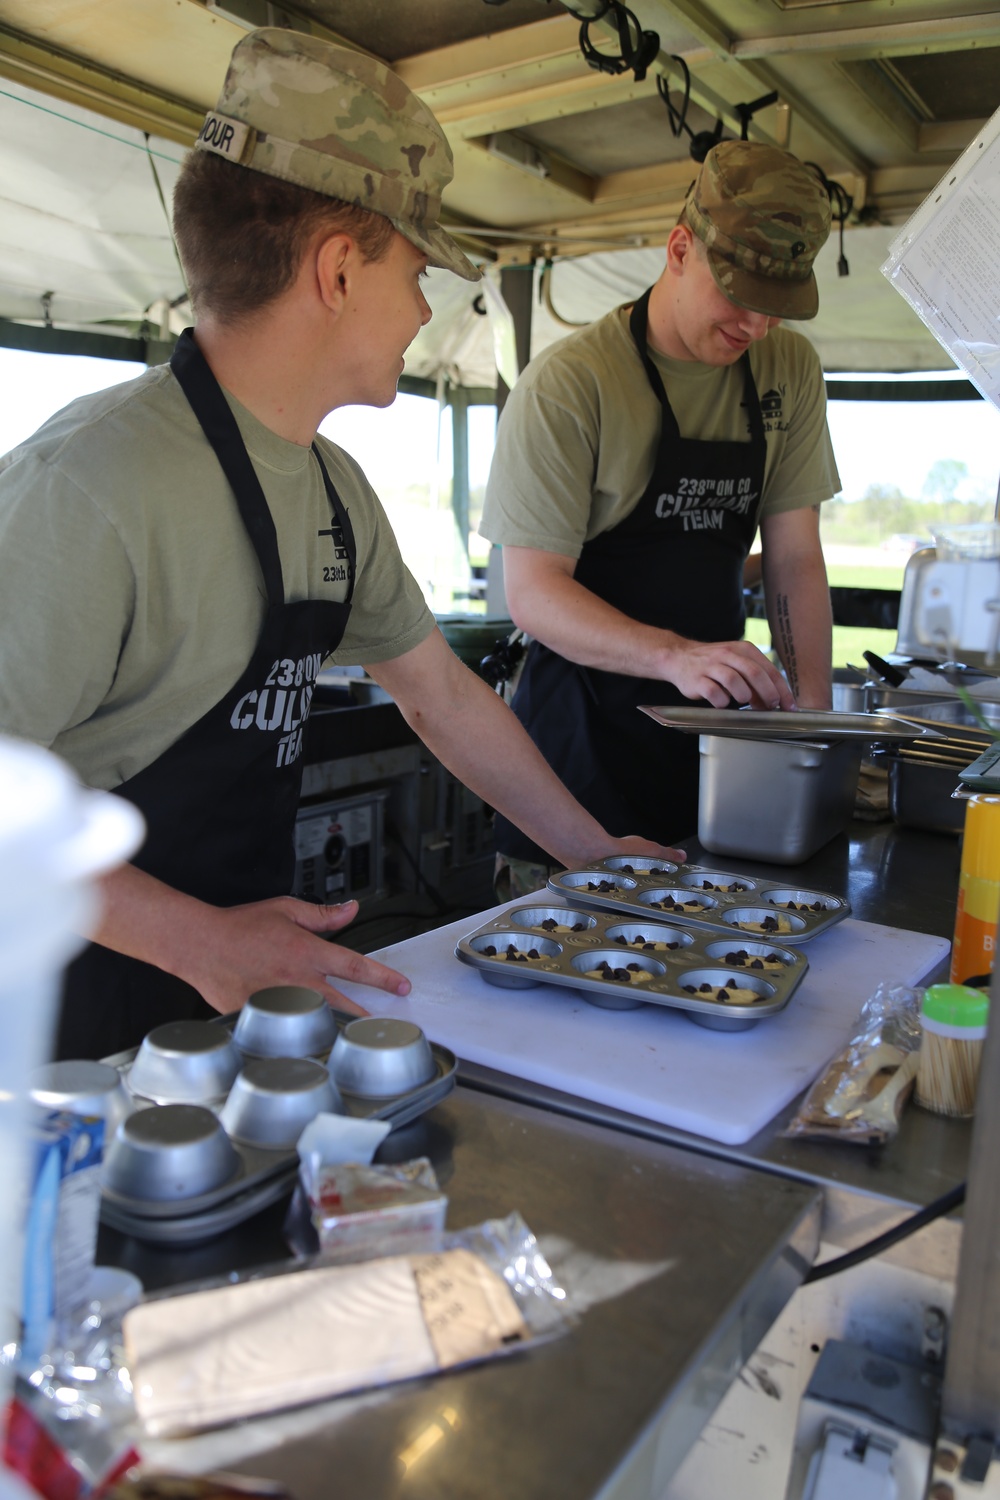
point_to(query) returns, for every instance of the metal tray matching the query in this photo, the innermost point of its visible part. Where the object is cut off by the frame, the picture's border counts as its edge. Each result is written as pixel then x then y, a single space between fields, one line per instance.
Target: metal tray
pixel 262 1174
pixel 774 724
pixel 633 885
pixel 696 958
pixel 195 1229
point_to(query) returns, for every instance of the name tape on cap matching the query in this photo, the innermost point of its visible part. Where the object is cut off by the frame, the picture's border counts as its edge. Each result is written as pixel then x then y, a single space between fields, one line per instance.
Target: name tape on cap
pixel 229 138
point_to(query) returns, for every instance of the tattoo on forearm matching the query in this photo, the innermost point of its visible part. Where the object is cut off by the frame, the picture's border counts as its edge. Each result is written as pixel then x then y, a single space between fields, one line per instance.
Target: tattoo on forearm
pixel 786 643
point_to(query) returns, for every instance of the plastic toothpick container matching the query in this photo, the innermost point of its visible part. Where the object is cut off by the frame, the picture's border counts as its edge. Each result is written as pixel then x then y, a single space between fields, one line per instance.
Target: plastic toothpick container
pixel 953 1019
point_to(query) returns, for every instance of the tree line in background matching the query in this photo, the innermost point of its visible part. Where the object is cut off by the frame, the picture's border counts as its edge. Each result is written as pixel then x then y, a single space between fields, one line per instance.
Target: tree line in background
pixel 884 511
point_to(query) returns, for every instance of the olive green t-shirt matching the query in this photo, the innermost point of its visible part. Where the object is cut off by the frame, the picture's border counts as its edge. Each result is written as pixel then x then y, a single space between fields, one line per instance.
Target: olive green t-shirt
pixel 579 433
pixel 131 598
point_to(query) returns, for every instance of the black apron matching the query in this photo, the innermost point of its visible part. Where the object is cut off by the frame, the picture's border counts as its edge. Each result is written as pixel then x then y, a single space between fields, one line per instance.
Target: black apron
pixel 220 803
pixel 676 562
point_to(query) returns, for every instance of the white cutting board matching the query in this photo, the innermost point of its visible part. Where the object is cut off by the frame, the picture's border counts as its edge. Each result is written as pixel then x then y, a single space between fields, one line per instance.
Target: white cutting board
pixel 653 1062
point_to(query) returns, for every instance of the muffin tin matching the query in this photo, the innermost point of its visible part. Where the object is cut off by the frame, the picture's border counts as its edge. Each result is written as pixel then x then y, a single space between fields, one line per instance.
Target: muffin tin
pixel 181 1168
pixel 636 886
pixel 677 959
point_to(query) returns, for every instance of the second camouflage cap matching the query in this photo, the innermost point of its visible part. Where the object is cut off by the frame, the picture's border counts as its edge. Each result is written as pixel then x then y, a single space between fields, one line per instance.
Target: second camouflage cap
pixel 340 123
pixel 763 216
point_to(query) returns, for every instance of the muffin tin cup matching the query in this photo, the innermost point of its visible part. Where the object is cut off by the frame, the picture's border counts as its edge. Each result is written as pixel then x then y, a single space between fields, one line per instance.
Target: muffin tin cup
pixel 184 1062
pixel 637 888
pixel 666 954
pixel 262 1170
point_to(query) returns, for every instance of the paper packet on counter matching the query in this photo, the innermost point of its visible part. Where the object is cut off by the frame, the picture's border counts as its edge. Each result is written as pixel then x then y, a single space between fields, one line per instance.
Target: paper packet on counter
pixel 238 1349
pixel 860 1095
pixel 360 1211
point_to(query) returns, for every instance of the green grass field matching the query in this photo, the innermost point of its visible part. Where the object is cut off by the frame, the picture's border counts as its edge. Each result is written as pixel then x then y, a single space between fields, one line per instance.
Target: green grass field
pixel 849 641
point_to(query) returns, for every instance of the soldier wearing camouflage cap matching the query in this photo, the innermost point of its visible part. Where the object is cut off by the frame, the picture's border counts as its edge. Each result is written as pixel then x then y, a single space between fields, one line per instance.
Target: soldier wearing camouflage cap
pixel 221 551
pixel 635 463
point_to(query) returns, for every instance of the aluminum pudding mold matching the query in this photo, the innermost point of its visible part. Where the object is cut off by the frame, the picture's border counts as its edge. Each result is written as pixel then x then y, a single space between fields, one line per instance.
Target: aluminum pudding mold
pixel 82 1087
pixel 377 1057
pixel 174 1153
pixel 263 1172
pixel 184 1062
pixel 274 1098
pixel 285 1021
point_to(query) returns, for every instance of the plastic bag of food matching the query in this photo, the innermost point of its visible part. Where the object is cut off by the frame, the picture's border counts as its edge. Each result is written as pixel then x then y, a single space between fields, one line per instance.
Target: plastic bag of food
pixel 861 1094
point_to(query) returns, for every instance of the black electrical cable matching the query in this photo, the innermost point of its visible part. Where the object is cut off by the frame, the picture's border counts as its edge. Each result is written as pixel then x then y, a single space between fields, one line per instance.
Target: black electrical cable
pixel 638 47
pixel 841 204
pixel 677 118
pixel 935 1210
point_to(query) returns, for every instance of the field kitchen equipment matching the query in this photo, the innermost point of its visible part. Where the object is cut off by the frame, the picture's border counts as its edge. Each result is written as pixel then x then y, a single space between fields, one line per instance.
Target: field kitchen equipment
pixel 778 786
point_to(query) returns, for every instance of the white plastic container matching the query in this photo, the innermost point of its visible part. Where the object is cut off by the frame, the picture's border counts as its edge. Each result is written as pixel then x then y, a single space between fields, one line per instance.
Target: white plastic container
pixel 55 836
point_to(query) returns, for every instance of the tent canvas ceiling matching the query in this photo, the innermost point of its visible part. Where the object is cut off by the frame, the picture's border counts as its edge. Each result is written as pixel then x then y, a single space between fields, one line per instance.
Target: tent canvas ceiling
pixel 555 161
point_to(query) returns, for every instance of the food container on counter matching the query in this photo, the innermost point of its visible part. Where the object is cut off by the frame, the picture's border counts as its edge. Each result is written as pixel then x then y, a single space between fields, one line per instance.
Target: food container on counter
pixel 920 794
pixel 776 800
pixel 744 906
pixel 724 978
pixel 179 1173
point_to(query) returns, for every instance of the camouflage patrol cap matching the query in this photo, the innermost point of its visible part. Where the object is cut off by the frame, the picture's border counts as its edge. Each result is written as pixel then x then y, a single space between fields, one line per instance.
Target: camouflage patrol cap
pixel 763 216
pixel 340 123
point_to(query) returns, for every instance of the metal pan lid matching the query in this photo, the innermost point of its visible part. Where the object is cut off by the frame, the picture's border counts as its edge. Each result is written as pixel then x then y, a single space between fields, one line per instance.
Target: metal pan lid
pixel 775 724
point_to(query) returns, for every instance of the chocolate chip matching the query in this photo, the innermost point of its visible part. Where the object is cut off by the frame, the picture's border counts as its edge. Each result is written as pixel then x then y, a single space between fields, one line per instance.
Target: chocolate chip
pixel 490 951
pixel 723 994
pixel 757 963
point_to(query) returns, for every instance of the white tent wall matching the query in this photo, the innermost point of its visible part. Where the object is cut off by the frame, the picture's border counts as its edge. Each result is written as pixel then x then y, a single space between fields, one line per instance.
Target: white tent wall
pixel 84 243
pixel 81 224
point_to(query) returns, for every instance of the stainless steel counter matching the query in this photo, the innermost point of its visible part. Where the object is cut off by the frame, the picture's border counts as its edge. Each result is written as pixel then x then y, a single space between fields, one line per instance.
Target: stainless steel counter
pixel 678 1263
pixel 901 878
pixel 680 1252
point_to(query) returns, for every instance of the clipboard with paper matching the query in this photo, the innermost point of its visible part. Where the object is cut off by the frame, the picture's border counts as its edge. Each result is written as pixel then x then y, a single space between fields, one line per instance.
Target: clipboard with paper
pixel 946 261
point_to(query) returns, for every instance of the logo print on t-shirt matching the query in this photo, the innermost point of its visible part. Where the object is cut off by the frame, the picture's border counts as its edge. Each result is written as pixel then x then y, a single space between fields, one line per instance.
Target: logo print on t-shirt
pixel 335 572
pixel 772 410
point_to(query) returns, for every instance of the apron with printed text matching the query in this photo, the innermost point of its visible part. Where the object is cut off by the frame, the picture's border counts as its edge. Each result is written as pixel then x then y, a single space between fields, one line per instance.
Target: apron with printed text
pixel 220 803
pixel 675 562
